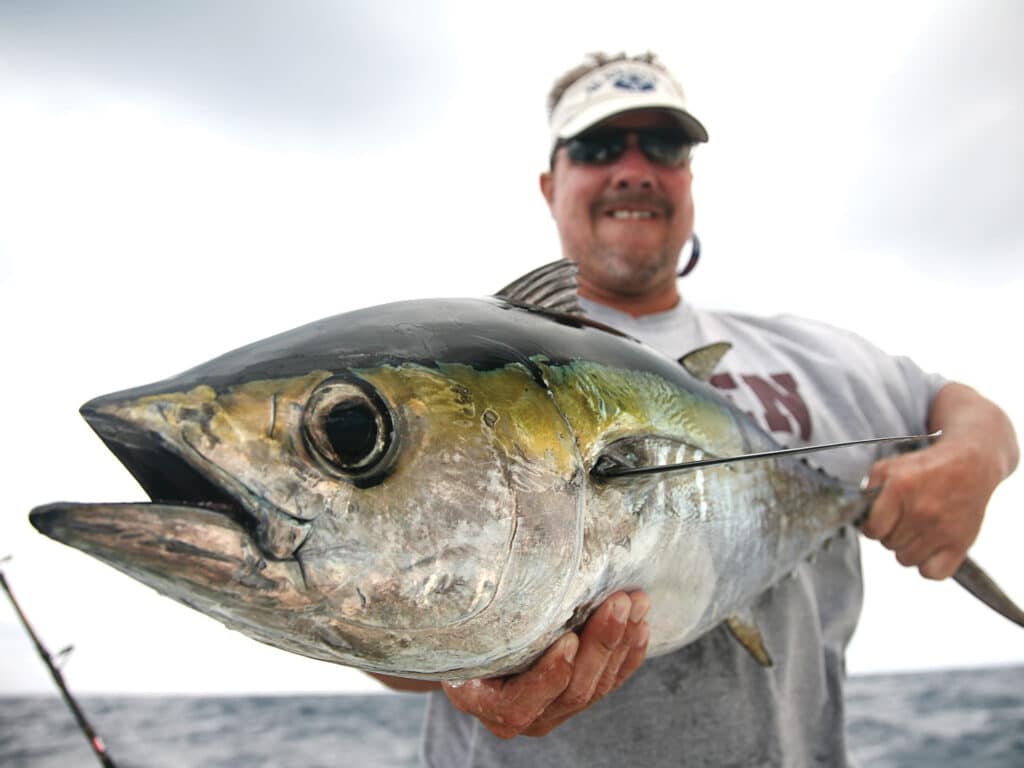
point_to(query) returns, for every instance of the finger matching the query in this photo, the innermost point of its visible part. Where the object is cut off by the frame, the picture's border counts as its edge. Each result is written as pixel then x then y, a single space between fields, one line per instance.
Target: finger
pixel 884 515
pixel 606 682
pixel 915 552
pixel 527 695
pixel 944 559
pixel 602 646
pixel 507 706
pixel 601 637
pixel 636 655
pixel 476 698
pixel 614 676
pixel 637 632
pixel 640 606
pixel 466 695
pixel 533 690
pixel 899 537
pixel 942 564
pixel 877 474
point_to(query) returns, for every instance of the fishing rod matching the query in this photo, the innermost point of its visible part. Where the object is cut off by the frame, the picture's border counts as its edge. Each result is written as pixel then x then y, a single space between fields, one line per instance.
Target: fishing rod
pixel 98 747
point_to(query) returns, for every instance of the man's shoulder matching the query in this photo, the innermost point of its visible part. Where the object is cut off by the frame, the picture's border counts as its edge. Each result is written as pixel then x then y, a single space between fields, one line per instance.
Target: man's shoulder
pixel 787 329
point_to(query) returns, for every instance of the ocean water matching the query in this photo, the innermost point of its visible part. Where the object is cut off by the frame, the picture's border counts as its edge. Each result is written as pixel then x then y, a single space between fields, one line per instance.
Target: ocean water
pixel 951 718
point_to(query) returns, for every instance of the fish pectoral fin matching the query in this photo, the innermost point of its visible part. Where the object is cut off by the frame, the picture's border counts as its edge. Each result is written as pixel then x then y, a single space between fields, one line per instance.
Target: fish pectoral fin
pixel 745 630
pixel 972 578
pixel 551 287
pixel 701 362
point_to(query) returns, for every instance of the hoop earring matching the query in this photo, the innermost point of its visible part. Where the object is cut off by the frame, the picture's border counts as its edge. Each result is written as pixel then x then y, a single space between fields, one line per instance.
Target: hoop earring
pixel 694 256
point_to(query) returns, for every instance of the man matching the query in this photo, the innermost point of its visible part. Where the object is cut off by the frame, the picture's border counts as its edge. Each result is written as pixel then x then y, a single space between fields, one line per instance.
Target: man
pixel 619 190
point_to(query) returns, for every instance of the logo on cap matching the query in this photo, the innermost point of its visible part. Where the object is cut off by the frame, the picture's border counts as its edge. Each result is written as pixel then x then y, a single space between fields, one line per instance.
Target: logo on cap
pixel 634 81
pixel 624 80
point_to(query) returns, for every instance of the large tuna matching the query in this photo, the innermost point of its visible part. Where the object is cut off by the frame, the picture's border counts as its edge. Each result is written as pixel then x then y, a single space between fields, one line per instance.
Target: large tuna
pixel 436 488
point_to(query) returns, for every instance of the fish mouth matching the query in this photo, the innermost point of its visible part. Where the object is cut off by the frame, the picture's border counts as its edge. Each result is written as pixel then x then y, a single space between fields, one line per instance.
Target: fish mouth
pixel 165 476
pixel 193 541
pixel 183 501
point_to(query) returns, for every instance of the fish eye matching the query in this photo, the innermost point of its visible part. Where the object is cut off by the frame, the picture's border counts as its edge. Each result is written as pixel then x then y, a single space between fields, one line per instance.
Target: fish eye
pixel 348 428
pixel 351 429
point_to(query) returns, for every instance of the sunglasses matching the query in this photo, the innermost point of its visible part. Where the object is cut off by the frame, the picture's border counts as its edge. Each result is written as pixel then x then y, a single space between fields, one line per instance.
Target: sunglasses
pixel 668 148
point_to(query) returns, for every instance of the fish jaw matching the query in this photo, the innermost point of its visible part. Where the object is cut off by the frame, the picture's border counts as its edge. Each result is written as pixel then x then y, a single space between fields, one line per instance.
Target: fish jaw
pixel 201 447
pixel 197 556
pixel 207 539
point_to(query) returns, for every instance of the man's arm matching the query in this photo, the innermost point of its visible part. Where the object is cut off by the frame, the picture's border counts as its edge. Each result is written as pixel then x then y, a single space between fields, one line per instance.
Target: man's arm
pixel 575 672
pixel 406 684
pixel 932 501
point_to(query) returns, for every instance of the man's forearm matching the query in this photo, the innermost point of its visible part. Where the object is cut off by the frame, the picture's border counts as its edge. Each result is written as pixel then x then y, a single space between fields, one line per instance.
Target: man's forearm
pixel 963 414
pixel 406 684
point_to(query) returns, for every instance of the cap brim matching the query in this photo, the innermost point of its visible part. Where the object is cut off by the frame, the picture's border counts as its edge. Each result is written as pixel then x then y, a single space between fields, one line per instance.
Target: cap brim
pixel 695 131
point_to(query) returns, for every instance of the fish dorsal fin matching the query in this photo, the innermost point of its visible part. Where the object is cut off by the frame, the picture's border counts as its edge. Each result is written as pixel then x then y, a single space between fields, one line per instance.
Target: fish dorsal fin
pixel 552 287
pixel 613 469
pixel 701 362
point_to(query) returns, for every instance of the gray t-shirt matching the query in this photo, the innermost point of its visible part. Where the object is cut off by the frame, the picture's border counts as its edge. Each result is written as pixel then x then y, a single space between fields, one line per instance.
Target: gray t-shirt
pixel 709 703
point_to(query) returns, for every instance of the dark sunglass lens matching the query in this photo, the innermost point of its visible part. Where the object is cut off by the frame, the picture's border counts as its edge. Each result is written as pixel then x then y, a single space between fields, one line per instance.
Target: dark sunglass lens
pixel 664 149
pixel 596 149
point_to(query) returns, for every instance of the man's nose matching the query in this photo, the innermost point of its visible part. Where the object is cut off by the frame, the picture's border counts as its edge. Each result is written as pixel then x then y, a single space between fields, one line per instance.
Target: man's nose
pixel 633 170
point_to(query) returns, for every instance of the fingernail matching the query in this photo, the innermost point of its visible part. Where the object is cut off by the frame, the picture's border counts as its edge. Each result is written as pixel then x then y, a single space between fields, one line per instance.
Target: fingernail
pixel 641 605
pixel 644 636
pixel 621 609
pixel 571 646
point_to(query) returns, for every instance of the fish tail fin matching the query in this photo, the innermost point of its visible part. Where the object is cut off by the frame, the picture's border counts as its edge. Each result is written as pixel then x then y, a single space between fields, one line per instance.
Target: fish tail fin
pixel 971 577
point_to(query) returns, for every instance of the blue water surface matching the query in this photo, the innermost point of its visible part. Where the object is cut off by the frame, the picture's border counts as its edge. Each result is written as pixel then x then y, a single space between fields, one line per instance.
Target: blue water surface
pixel 952 718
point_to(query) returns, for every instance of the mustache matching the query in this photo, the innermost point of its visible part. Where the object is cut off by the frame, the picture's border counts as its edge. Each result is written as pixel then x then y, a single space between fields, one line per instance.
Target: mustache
pixel 659 203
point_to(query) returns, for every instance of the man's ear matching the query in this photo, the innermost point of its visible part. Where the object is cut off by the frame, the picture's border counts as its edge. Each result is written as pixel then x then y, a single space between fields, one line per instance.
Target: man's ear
pixel 547 186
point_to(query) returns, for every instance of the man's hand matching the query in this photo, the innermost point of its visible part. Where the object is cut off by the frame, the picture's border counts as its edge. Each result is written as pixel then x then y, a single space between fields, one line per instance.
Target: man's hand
pixel 575 672
pixel 932 502
pixel 930 507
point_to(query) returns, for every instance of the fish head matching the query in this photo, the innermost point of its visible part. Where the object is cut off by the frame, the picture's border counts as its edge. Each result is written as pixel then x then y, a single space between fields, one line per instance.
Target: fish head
pixel 401 516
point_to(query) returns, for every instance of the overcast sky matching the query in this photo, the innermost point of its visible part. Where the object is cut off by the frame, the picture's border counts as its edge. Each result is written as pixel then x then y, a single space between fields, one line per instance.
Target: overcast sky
pixel 180 178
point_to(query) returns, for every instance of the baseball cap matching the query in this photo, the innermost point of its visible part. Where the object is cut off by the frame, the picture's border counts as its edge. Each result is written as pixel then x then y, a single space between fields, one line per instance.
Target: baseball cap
pixel 617 87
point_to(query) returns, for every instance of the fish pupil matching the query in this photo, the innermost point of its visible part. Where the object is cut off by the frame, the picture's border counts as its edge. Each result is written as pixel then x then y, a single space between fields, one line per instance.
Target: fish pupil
pixel 351 429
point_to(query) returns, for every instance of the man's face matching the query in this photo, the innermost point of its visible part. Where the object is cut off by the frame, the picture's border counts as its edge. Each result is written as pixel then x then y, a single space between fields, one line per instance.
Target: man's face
pixel 623 222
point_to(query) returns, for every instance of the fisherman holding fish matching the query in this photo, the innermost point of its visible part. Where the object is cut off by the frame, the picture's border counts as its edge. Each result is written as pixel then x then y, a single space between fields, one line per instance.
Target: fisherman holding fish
pixel 619 190
pixel 557 530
